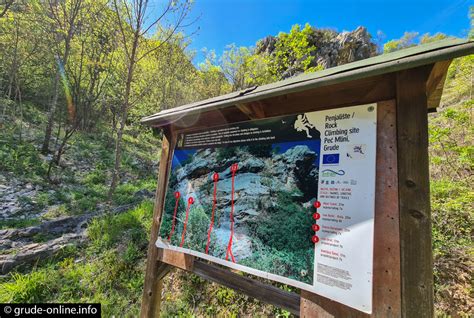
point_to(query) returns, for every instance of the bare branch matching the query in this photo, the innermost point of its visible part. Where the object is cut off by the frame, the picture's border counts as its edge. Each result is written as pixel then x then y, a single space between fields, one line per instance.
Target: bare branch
pixel 178 24
pixel 122 31
pixel 168 8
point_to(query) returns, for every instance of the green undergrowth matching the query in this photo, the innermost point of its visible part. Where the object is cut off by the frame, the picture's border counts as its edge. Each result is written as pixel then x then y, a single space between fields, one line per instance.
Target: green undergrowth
pixel 18 223
pixel 108 270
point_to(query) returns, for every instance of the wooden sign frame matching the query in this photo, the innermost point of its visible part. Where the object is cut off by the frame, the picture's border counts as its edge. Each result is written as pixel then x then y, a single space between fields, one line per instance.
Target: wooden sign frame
pixel 402 270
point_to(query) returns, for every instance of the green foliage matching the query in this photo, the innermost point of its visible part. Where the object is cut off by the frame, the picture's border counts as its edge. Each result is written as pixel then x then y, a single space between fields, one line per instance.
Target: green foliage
pixel 292 49
pixel 196 231
pixel 427 38
pixel 452 214
pixel 109 270
pixel 18 223
pixel 407 40
pixel 33 287
pixel 225 153
pixel 22 159
pixel 283 247
pixel 260 150
pixel 134 225
pixel 235 66
pixel 297 225
pixel 451 165
pixel 167 220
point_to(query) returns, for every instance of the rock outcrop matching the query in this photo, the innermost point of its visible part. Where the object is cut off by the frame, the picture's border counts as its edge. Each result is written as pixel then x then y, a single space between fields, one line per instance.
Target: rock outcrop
pixel 27 245
pixel 332 48
pixel 257 181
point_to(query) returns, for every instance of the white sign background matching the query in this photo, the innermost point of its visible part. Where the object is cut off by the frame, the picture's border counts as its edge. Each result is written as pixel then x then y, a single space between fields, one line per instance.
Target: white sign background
pixel 344 253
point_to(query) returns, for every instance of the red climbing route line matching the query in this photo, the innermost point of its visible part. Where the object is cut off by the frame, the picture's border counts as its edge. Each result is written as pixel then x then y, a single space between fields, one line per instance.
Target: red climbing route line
pixel 176 196
pixel 233 169
pixel 215 177
pixel 190 201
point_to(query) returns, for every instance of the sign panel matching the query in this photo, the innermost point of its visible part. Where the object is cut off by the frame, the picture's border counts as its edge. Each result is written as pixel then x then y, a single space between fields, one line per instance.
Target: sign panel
pixel 287 198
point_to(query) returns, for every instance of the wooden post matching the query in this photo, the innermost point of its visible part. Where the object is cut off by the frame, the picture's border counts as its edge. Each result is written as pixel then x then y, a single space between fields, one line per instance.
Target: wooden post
pixel 156 270
pixel 416 263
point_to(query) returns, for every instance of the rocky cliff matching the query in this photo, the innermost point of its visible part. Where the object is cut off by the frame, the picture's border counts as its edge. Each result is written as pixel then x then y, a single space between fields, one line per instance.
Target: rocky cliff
pixel 332 48
pixel 259 184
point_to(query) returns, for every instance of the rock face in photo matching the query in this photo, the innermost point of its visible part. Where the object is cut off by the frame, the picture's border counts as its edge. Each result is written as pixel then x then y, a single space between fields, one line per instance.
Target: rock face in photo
pixel 266 182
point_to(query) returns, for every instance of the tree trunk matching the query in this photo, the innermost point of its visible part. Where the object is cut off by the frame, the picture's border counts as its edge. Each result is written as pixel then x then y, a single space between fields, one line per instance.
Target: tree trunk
pixel 124 114
pixel 118 158
pixel 51 112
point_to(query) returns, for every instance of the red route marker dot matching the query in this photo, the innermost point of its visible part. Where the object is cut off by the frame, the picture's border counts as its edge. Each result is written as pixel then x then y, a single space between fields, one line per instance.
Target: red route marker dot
pixel 315 227
pixel 316 216
pixel 317 204
pixel 315 239
pixel 177 195
pixel 234 167
pixel 215 177
pixel 190 200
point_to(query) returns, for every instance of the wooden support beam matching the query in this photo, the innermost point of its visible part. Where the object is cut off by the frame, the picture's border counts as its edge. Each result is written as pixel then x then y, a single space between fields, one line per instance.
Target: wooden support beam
pixel 253 110
pixel 386 282
pixel 156 270
pixel 251 287
pixel 361 91
pixel 414 197
pixel 435 83
pixel 176 259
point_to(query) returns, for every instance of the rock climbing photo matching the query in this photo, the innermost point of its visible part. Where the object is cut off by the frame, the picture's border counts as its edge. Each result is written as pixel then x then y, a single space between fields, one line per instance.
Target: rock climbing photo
pixel 250 204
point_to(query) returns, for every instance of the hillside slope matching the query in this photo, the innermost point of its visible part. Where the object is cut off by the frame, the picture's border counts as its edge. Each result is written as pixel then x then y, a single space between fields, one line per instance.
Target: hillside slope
pixel 103 259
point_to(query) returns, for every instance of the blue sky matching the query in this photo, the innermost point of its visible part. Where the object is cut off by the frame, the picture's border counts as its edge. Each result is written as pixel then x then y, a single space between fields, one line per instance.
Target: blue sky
pixel 243 22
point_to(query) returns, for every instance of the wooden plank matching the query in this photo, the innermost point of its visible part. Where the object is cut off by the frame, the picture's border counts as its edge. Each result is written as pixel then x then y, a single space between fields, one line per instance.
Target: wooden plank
pixel 209 119
pixel 310 309
pixel 386 282
pixel 155 270
pixel 363 91
pixel 435 83
pixel 254 110
pixel 414 198
pixel 327 308
pixel 357 92
pixel 176 259
pixel 253 288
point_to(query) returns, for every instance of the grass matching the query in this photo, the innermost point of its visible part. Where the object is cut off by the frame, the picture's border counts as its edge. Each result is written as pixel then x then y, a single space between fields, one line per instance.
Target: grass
pixel 18 223
pixel 108 270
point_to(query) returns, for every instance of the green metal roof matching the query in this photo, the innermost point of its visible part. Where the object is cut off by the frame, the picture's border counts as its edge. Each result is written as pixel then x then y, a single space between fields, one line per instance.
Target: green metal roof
pixel 378 65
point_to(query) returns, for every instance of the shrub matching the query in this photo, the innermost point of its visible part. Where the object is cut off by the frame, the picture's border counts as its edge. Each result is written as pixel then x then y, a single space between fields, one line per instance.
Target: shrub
pixel 260 150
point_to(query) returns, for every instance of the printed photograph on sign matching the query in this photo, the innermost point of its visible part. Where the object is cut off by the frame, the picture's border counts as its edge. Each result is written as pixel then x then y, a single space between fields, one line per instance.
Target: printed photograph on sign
pixel 248 202
pixel 288 198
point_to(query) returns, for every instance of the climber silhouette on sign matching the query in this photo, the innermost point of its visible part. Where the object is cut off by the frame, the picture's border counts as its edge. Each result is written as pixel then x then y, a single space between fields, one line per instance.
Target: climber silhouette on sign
pixel 302 124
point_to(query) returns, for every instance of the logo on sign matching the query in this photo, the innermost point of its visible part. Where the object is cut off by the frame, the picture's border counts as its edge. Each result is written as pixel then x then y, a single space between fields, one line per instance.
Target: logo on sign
pixel 331 159
pixel 331 173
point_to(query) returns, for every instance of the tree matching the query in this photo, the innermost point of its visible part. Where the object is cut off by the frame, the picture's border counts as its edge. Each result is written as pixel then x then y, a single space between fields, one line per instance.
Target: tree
pixel 5 6
pixel 134 29
pixel 84 78
pixel 234 64
pixel 407 40
pixel 292 53
pixel 210 81
pixel 63 19
pixel 427 38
